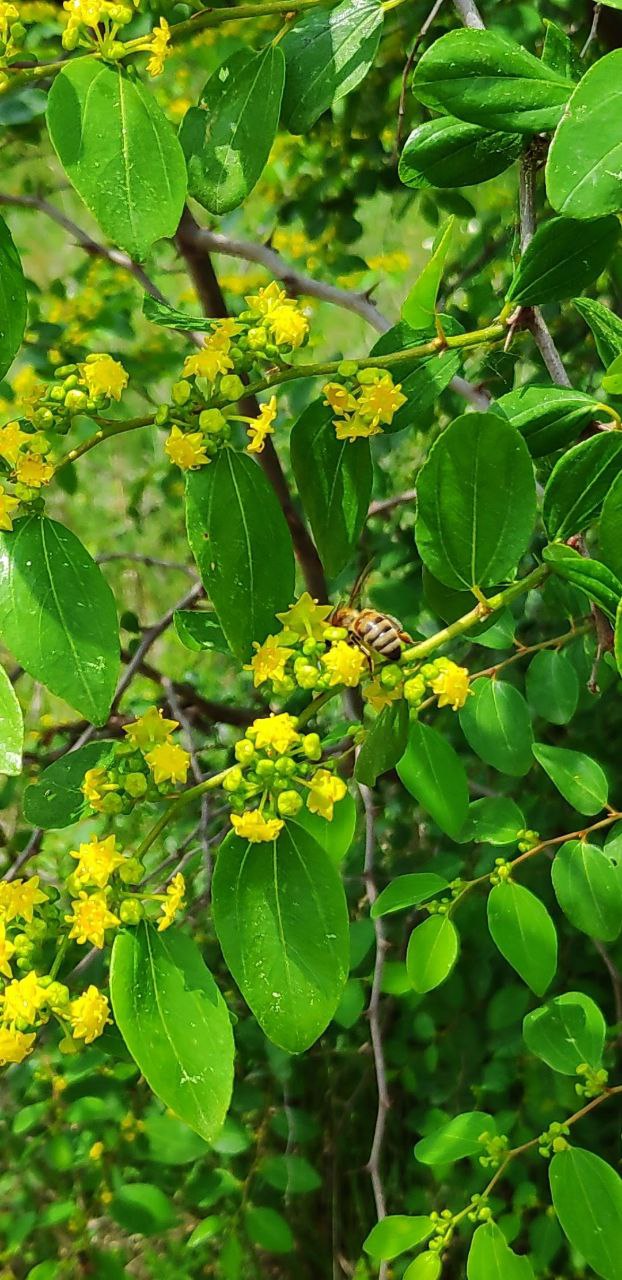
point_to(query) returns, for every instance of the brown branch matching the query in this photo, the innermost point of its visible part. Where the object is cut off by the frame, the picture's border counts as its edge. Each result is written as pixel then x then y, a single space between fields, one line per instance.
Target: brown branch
pixel 151 562
pixel 425 27
pixel 384 505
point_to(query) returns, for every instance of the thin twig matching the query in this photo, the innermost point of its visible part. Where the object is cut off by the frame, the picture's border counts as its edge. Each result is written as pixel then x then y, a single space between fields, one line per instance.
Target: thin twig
pixel 423 30
pixel 152 562
pixel 384 505
pixel 593 30
pixel 149 638
pixel 470 14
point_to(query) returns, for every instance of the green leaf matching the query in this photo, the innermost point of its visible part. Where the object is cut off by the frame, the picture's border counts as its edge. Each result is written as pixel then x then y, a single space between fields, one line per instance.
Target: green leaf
pixel 268 1229
pixel 242 546
pixel 13 301
pixel 395 1234
pixel 290 1174
pixel 598 582
pixel 495 722
pixel 11 728
pixel 494 820
pixel 552 686
pixel 455 1140
pixel 175 1024
pixel 334 479
pixel 419 309
pixel 58 616
pixel 548 418
pixel 617 639
pixel 588 889
pixel 407 891
pixel 171 1141
pixel 562 258
pixel 198 630
pixel 612 379
pixel 327 54
pixel 583 174
pixel 522 929
pixel 579 483
pixel 423 380
pixel 207 1229
pixel 487 79
pixel 336 836
pixel 578 778
pixel 559 52
pixel 606 327
pixel 587 1198
pixel 432 953
pixel 384 744
pixel 610 528
pixel 449 153
pixel 427 1266
pixel 119 152
pixel 168 318
pixel 56 799
pixel 476 502
pixel 227 138
pixel 281 919
pixel 490 1257
pixel 565 1032
pixel 434 775
pixel 142 1209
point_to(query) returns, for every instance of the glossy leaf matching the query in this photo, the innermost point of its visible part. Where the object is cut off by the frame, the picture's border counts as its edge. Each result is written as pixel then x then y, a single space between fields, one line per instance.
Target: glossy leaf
pixel 396 1234
pixel 423 380
pixel 610 528
pixel 494 820
pixel 56 798
pixel 495 722
pixel 419 308
pixel 13 302
pixel 562 258
pixel 11 728
pixel 119 152
pixel 490 1257
pixel 522 929
pixel 596 579
pixel 578 778
pixel 198 630
pixel 327 54
pixel 384 744
pixel 548 418
pixel 552 686
pixel 583 175
pixel 408 891
pixel 268 1229
pixel 58 616
pixel 579 483
pixel 336 836
pixel 565 1032
pixel 456 1140
pixel 606 327
pixel 142 1209
pixel 426 1266
pixel 587 1198
pixel 476 502
pixel 175 1024
pixel 227 138
pixel 588 889
pixel 334 479
pixel 281 919
pixel 617 638
pixel 434 775
pixel 432 953
pixel 485 78
pixel 242 546
pixel 559 52
pixel 445 152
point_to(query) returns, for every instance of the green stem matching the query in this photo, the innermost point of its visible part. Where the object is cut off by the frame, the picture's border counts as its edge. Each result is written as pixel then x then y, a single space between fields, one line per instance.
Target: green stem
pixel 215 17
pixel 176 807
pixel 481 611
pixel 316 705
pixel 105 433
pixel 59 957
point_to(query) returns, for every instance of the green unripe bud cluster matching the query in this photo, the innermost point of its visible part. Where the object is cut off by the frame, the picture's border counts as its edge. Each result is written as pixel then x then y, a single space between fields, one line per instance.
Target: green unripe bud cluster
pixel 595 1081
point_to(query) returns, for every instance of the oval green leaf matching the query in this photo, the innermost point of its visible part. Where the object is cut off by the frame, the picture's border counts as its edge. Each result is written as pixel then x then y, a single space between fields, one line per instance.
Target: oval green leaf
pixel 552 686
pixel 456 1140
pixel 588 889
pixel 565 1032
pixel 548 418
pixel 13 302
pixel 449 153
pixel 11 728
pixel 490 1257
pixel 395 1234
pixel 407 891
pixel 584 164
pixel 336 836
pixel 334 479
pixel 579 483
pixel 610 528
pixel 578 778
pixel 327 54
pixel 56 799
pixel 522 929
pixel 587 1198
pixel 434 775
pixel 494 820
pixel 384 744
pixel 495 722
pixel 432 953
pixel 562 258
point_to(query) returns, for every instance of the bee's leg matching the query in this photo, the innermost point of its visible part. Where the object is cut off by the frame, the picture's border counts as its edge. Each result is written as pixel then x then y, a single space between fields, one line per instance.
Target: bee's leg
pixel 367 653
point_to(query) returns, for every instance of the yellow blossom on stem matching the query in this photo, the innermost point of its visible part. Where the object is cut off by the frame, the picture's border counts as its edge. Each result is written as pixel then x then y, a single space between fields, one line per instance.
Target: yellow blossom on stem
pixel 306 617
pixel 11 440
pixel 451 685
pixel 378 697
pixel 288 326
pixel 168 762
pixel 207 363
pixel 254 827
pixel 275 733
pixel 7 507
pixel 344 663
pixel 325 790
pixel 27 386
pixel 186 449
pixel 104 376
pixel 354 427
pixel 89 1014
pixel 15 1045
pixel 381 399
pixel 90 918
pixel 263 302
pixel 95 784
pixel 150 728
pixel 173 902
pixel 261 426
pixel 97 861
pixel 160 48
pixel 270 660
pixel 18 898
pixel 339 398
pixel 31 469
pixel 22 999
pixel 97 1150
pixel 6 951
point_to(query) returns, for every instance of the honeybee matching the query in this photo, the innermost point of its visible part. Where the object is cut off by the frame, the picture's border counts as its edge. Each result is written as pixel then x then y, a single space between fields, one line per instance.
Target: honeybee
pixel 376 633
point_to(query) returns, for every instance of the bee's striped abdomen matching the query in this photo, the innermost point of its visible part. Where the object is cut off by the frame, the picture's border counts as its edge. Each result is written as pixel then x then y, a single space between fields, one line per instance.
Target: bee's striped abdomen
pixel 380 633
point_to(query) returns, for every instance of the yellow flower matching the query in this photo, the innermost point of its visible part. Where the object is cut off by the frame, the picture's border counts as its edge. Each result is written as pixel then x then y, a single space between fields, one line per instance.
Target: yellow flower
pixel 11 440
pixel 270 661
pixel 90 919
pixel 168 762
pixel 261 426
pixel 344 663
pixel 6 951
pixel 339 398
pixel 97 861
pixel 381 399
pixel 7 507
pixel 306 617
pixel 104 377
pixel 186 449
pixel 275 733
pixel 19 898
pixel 88 1016
pixel 27 387
pixel 451 685
pixel 94 785
pixel 288 326
pixel 254 827
pixel 22 999
pixel 174 901
pixel 31 469
pixel 150 728
pixel 263 302
pixel 97 1150
pixel 207 363
pixel 222 333
pixel 325 790
pixel 356 428
pixel 14 1045
pixel 160 48
pixel 378 697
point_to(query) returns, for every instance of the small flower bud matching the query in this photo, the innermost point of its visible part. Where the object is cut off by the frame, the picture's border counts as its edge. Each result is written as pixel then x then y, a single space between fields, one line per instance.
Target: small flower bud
pixel 233 780
pixel 312 746
pixel 212 421
pixel 285 767
pixel 244 751
pixel 231 386
pixel 181 392
pixel 135 784
pixel 131 911
pixel 132 871
pixel 265 770
pixel 289 804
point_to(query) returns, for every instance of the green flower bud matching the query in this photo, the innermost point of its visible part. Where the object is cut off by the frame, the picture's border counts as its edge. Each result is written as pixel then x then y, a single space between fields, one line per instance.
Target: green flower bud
pixel 112 803
pixel 391 676
pixel 64 370
pixel 23 944
pixel 231 385
pixel 285 767
pixel 135 784
pixel 75 401
pixel 414 690
pixel 132 871
pixel 161 415
pixel 43 419
pixel 257 338
pixel 265 770
pixel 71 382
pixel 307 675
pixel 57 995
pixel 244 751
pixel 212 421
pixel 312 746
pixel 181 392
pixel 311 647
pixel 289 804
pixel 233 780
pixel 56 394
pixel 336 633
pixel 366 376
pixel 347 369
pixel 131 911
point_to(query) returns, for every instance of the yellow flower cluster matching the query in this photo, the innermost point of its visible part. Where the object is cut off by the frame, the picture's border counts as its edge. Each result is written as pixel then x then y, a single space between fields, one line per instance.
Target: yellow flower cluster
pixel 86 18
pixel 12 31
pixel 24 451
pixel 364 403
pixel 173 901
pixel 279 318
pixel 159 48
pixel 308 652
pixel 112 788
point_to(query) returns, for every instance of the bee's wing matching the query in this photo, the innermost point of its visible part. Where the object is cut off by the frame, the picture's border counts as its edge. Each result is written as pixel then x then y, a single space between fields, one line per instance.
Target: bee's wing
pixel 359 584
